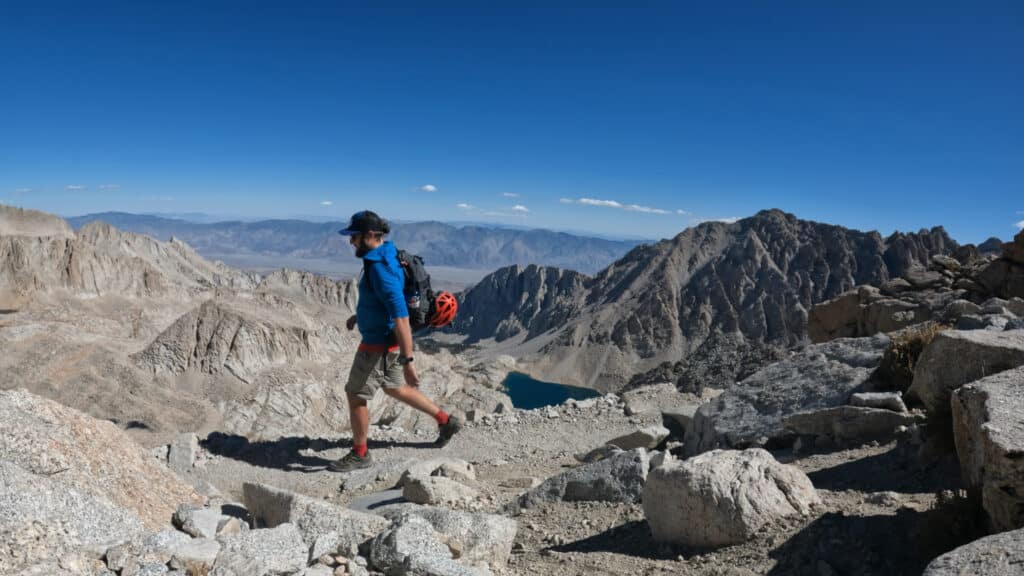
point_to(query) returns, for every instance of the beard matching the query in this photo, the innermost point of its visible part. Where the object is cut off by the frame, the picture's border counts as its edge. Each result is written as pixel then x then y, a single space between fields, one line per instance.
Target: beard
pixel 361 248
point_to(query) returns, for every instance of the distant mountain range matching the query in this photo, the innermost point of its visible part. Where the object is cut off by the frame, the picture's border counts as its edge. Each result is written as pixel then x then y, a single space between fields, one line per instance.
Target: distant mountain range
pixel 469 246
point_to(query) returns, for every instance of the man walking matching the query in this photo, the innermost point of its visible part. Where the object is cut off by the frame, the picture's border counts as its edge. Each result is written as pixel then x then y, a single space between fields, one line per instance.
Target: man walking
pixel 384 356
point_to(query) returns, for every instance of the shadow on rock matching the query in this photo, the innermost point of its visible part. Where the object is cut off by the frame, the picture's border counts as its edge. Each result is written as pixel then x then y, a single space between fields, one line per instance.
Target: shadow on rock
pixel 881 545
pixel 629 539
pixel 291 454
pixel 891 471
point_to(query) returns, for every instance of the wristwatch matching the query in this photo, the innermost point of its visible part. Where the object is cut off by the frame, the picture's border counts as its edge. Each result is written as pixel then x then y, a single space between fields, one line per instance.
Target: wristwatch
pixel 403 360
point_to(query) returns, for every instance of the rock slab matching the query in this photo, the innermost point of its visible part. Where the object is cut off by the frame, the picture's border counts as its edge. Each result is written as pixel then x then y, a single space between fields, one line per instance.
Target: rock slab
pixel 646 438
pixel 850 424
pixel 988 427
pixel 996 555
pixel 479 538
pixel 619 478
pixel 264 552
pixel 437 490
pixel 313 518
pixel 751 413
pixel 723 497
pixel 957 357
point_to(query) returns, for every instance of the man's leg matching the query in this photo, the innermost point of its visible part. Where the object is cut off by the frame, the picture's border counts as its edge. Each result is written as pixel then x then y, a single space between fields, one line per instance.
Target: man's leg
pixel 359 417
pixel 413 397
pixel 357 390
pixel 447 425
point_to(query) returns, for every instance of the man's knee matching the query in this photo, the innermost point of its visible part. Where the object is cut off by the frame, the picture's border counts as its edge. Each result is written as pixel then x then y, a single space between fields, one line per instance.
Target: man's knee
pixel 354 400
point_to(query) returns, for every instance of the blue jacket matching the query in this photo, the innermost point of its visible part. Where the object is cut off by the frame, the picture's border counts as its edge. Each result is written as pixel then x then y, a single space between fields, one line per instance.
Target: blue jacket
pixel 380 299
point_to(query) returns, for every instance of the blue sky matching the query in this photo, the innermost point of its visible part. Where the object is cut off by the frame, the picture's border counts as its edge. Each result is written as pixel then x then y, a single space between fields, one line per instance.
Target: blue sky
pixel 624 118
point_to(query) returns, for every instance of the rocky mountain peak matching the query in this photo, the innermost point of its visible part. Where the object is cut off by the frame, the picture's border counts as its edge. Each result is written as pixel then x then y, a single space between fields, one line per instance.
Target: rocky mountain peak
pixel 721 285
pixel 22 222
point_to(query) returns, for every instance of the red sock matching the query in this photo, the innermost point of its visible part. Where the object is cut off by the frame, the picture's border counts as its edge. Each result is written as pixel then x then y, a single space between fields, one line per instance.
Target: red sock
pixel 360 450
pixel 441 417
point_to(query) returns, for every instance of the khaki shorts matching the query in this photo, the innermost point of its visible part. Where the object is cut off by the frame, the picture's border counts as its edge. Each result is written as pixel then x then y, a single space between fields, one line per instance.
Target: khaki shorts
pixel 372 369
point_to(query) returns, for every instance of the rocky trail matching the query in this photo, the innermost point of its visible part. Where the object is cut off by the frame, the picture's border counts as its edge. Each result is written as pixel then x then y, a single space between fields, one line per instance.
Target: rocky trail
pixel 877 514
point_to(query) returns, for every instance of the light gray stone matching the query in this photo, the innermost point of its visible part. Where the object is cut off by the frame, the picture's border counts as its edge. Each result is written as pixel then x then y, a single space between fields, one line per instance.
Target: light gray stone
pixel 958 308
pixel 956 357
pixel 445 466
pixel 271 506
pixel 619 478
pixel 157 547
pixel 41 515
pixel 62 469
pixel 411 536
pixel 943 262
pixel 327 544
pixel 181 455
pixel 850 424
pixel 884 400
pixel 278 550
pixel 198 522
pixel 654 398
pixel 723 497
pixel 195 554
pixel 437 490
pixel 996 555
pixel 160 453
pixel 922 278
pixel 988 426
pixel 819 376
pixel 679 420
pixel 479 538
pixel 646 438
pixel 230 525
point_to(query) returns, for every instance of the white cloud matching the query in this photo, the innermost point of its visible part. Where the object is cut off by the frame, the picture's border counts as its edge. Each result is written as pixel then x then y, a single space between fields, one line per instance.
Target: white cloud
pixel 109 186
pixel 510 195
pixel 520 208
pixel 74 187
pixel 729 220
pixel 463 206
pixel 428 188
pixel 682 212
pixel 1020 225
pixel 23 190
pixel 327 203
pixel 615 204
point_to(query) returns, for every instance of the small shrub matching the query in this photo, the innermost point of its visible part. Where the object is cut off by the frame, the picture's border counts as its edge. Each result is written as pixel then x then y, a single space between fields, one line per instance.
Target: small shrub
pixel 896 371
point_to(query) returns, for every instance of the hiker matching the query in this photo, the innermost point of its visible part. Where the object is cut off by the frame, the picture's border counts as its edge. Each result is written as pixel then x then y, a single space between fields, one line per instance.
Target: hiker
pixel 384 356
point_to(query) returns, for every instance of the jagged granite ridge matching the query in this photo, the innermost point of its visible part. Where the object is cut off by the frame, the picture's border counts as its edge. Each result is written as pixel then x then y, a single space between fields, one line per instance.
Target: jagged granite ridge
pixel 723 285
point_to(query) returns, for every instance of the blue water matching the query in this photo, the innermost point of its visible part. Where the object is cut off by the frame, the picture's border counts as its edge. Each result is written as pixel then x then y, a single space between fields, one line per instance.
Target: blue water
pixel 527 393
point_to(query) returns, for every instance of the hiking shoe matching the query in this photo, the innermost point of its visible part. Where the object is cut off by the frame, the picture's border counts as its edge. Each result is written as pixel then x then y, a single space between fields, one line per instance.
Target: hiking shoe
pixel 446 431
pixel 350 462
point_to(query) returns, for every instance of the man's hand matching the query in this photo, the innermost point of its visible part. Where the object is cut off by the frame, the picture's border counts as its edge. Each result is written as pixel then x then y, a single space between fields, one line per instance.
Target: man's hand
pixel 409 371
pixel 351 322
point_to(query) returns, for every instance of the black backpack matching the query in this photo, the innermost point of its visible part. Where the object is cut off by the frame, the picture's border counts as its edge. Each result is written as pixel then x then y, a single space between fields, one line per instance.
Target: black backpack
pixel 417 291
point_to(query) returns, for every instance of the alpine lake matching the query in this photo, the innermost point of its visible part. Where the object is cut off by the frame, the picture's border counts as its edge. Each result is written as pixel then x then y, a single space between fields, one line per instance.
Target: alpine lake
pixel 527 393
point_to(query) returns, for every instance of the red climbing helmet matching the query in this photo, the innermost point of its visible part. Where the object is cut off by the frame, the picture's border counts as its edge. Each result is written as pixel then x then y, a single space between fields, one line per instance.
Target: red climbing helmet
pixel 445 307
